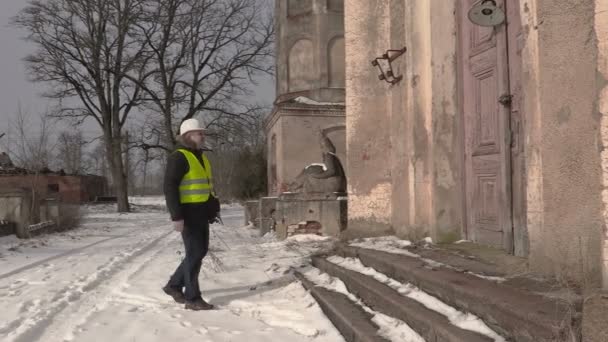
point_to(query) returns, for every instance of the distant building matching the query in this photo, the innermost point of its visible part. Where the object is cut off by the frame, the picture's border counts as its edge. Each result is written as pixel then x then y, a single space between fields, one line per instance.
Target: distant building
pixel 73 189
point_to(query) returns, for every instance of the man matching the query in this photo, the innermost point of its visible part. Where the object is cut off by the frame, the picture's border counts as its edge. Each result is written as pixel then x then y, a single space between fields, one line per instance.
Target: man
pixel 192 205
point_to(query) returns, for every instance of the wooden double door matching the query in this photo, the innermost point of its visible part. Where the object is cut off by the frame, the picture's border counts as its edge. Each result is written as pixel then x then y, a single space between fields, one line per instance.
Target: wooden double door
pixel 490 85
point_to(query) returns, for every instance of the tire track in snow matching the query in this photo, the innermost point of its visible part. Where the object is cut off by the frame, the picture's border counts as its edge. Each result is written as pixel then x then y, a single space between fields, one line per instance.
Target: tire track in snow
pixel 70 252
pixel 73 322
pixel 156 254
pixel 33 327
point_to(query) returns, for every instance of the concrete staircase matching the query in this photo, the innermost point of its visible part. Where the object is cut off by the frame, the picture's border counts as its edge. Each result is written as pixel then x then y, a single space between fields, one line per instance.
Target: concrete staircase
pixel 511 310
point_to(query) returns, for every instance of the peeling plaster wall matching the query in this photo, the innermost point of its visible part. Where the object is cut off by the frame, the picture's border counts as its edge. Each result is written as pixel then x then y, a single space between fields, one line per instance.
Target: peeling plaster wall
pixel 410 168
pixel 425 139
pixel 421 119
pixel 400 130
pixel 562 138
pixel 368 118
pixel 446 209
pixel 601 31
pixel 532 122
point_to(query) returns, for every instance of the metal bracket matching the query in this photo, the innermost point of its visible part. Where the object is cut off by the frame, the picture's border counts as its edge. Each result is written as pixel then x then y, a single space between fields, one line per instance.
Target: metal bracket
pixel 506 100
pixel 389 56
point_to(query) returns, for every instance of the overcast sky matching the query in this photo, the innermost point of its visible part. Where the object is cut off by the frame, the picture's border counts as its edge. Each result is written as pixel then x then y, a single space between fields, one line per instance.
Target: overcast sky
pixel 15 89
pixel 14 86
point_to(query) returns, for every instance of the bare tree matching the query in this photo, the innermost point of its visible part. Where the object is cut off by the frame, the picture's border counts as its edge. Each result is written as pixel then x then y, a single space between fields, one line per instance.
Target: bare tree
pixel 205 54
pixel 143 153
pixel 70 154
pixel 31 145
pixel 241 145
pixel 98 166
pixel 84 50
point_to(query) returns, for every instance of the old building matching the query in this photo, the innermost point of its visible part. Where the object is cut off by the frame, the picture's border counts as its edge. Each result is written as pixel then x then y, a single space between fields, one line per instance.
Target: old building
pixel 72 189
pixel 495 134
pixel 33 202
pixel 309 87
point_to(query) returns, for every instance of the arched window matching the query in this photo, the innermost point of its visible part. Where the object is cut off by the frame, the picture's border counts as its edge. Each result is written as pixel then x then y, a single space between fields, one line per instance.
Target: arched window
pixel 336 62
pixel 301 75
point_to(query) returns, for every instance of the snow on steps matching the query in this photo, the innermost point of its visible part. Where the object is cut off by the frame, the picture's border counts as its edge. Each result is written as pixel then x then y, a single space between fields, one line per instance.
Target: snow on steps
pixel 515 314
pixel 352 321
pixel 431 325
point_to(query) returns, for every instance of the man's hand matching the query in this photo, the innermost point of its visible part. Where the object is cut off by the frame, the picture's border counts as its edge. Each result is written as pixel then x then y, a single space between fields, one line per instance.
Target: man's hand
pixel 178 226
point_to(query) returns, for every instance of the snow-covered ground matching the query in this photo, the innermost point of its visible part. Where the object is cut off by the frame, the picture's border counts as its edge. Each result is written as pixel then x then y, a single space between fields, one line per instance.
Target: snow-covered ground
pixel 102 282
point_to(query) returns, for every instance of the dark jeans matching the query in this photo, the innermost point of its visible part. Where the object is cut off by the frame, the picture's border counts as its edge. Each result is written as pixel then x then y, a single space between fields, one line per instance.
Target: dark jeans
pixel 196 242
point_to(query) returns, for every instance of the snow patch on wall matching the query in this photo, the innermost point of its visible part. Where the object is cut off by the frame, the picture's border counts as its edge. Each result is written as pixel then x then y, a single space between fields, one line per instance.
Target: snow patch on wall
pixel 318 164
pixel 308 101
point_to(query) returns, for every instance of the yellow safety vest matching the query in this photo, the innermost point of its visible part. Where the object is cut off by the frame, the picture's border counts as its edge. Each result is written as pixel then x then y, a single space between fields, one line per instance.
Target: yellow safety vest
pixel 196 185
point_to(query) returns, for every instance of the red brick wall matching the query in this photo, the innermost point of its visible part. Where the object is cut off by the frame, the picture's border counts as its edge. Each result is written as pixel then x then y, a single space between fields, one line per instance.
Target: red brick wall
pixel 72 189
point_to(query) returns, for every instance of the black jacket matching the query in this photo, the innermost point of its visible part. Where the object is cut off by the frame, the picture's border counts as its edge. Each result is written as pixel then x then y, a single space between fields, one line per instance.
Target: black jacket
pixel 177 167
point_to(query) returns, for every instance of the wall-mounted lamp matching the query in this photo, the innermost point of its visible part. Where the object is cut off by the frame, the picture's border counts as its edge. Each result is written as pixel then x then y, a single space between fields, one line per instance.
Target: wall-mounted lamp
pixel 388 58
pixel 486 13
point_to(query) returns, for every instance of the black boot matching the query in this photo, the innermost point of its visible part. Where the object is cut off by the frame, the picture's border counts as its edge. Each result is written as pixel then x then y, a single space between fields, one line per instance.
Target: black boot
pixel 177 295
pixel 199 304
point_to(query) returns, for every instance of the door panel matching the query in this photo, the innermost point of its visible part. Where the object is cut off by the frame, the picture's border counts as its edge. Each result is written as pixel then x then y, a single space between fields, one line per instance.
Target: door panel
pixel 485 75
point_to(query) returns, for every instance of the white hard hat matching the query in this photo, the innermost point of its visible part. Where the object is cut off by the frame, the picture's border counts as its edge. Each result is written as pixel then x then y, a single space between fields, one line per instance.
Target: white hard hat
pixel 189 126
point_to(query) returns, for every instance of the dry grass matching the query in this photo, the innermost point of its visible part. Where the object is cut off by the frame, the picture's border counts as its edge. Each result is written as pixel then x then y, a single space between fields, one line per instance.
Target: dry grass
pixel 69 217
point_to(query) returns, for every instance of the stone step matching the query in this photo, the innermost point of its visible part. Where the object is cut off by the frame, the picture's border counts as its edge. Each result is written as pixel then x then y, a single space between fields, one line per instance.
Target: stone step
pixel 513 313
pixel 431 325
pixel 488 262
pixel 351 320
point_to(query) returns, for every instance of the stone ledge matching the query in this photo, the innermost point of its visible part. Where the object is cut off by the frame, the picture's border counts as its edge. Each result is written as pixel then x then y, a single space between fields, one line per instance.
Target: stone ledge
pixel 488 261
pixel 330 214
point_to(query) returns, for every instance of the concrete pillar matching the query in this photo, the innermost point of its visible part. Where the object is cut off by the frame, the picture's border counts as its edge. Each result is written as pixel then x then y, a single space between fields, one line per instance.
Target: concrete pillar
pixel 266 214
pixel 24 213
pixel 368 113
pixel 252 211
pixel 561 127
pixel 601 32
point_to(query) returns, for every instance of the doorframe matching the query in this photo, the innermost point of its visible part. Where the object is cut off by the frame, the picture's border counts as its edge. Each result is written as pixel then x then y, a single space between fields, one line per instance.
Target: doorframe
pixel 519 172
pixel 460 60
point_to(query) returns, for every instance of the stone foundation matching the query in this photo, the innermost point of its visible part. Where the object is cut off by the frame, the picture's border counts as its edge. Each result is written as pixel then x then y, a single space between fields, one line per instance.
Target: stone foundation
pixel 310 214
pixel 25 215
pixel 252 213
